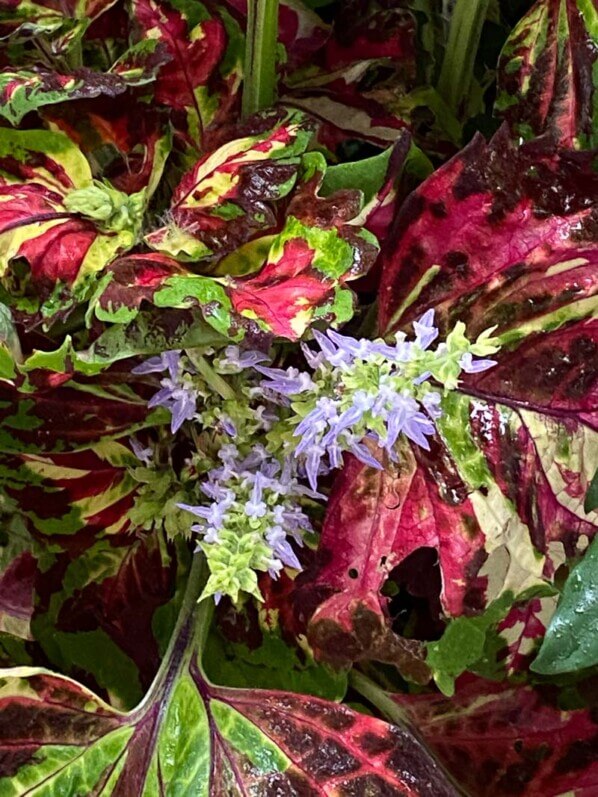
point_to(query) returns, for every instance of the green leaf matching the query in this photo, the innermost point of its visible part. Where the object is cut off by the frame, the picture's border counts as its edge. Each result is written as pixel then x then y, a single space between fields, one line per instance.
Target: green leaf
pixel 462 644
pixel 273 664
pixel 367 175
pixel 571 641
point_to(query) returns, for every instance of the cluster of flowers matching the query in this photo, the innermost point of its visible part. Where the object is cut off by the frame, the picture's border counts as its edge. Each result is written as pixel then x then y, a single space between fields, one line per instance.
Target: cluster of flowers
pixel 285 425
pixel 253 511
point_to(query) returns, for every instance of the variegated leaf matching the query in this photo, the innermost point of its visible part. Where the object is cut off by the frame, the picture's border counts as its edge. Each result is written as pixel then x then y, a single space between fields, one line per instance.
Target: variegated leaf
pixel 489 239
pixel 548 81
pixel 191 737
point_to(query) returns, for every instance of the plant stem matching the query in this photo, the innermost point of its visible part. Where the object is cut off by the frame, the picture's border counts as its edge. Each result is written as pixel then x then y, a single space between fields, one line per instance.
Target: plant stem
pixel 213 380
pixel 465 30
pixel 378 698
pixel 191 624
pixel 259 88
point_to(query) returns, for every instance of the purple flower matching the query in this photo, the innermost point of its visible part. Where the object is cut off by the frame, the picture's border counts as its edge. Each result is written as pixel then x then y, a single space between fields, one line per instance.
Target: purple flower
pixel 214 514
pixel 277 540
pixel 330 352
pixel 425 331
pixel 144 455
pixel 431 402
pixel 167 360
pixel 255 507
pixel 313 460
pixel 265 417
pixel 179 399
pixel 288 383
pixel 471 366
pixel 351 347
pixel 400 352
pixel 417 427
pixel 235 357
pixel 323 414
pixel 254 459
pixel 228 426
pixel 228 453
pixel 362 453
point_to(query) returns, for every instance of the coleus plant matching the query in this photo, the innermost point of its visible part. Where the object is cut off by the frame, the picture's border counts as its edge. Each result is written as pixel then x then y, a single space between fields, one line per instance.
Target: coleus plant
pixel 298 441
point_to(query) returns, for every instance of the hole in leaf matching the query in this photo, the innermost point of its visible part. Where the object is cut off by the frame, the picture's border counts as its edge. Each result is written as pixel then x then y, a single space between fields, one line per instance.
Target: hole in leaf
pixel 353 573
pixel 415 595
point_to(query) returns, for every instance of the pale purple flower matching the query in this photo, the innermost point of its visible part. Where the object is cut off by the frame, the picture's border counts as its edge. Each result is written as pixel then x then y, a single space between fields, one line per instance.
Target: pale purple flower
pixel 351 347
pixel 425 331
pixel 143 454
pixel 228 453
pixel 179 399
pixel 228 425
pixel 431 402
pixel 400 352
pixel 416 427
pixel 167 360
pixel 281 547
pixel 362 453
pixel 214 514
pixel 324 411
pixel 404 409
pixel 237 358
pixel 313 460
pixel 333 355
pixel 256 507
pixel 265 417
pixel 471 366
pixel 255 458
pixel 288 383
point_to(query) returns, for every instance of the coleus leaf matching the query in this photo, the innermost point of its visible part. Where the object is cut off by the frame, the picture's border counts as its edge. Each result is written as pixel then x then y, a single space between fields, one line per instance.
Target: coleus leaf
pixel 63 23
pixel 302 278
pixel 226 197
pixel 547 73
pixel 54 413
pixel 52 218
pixel 22 91
pixel 201 82
pixel 99 594
pixel 500 740
pixel 18 570
pixel 191 736
pixel 486 240
pixel 128 146
pixel 520 634
pixel 362 85
pixel 571 642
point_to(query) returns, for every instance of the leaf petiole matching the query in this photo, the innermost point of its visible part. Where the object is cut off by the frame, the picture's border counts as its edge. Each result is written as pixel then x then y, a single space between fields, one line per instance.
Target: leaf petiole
pixel 378 698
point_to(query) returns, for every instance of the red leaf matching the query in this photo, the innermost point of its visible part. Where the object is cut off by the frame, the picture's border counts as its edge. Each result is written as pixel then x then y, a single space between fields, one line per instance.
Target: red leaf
pixel 500 741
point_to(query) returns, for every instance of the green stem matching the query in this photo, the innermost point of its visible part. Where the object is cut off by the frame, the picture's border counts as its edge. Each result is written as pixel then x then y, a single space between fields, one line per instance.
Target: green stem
pixel 193 621
pixel 378 698
pixel 259 88
pixel 213 380
pixel 465 30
